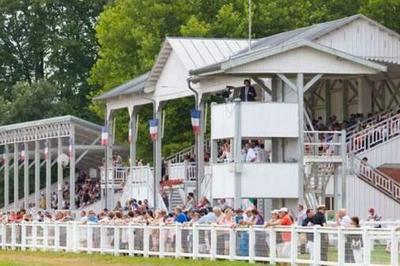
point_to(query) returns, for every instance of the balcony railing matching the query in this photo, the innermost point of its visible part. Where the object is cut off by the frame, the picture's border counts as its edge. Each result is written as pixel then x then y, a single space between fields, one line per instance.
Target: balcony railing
pixel 324 143
pixel 186 171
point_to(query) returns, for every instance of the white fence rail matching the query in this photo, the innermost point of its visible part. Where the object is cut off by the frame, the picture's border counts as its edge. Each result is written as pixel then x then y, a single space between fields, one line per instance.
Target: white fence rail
pixel 294 245
pixel 184 171
pixel 324 144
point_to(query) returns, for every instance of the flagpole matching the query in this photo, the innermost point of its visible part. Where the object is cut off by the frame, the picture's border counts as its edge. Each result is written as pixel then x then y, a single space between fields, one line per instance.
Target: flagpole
pixel 249 25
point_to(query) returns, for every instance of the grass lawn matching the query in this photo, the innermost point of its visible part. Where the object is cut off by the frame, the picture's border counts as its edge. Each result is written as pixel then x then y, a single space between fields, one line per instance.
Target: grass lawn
pixel 30 258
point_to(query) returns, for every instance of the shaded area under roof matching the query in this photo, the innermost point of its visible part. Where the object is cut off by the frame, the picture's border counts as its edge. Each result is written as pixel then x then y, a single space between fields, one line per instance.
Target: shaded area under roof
pixel 131 86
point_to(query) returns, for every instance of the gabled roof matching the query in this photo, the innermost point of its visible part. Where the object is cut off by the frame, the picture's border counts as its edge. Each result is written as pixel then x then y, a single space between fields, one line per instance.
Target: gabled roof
pixel 131 86
pixel 193 53
pixel 277 42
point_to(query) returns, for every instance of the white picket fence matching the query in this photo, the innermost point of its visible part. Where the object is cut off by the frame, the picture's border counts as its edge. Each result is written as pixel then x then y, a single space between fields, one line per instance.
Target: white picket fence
pixel 305 245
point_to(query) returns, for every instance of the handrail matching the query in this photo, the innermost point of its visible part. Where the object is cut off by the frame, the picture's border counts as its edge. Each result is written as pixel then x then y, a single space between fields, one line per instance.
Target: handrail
pixel 376 178
pixel 376 118
pixel 375 134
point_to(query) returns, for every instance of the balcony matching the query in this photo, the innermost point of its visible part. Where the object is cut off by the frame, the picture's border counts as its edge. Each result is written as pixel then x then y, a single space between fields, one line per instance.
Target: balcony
pixel 258 180
pixel 257 119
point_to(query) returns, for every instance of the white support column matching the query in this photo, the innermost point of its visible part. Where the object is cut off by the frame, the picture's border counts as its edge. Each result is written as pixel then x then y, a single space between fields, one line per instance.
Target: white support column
pixel 37 174
pixel 157 145
pixel 26 175
pixel 133 136
pixel 200 146
pixel 16 176
pixel 48 176
pixel 300 99
pixel 237 139
pixel 59 176
pixel 108 190
pixel 6 176
pixel 72 171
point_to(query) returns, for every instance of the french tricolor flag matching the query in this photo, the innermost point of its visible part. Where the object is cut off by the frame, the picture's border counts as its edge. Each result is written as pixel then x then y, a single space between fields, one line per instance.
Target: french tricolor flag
pixel 46 150
pixel 104 136
pixel 153 126
pixel 195 118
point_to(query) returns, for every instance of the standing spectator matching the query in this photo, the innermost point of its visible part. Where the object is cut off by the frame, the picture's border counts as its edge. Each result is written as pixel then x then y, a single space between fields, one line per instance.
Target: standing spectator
pixel 251 156
pixel 374 217
pixel 342 219
pixel 248 92
pixel 301 216
pixel 354 246
pixel 320 219
pixel 310 236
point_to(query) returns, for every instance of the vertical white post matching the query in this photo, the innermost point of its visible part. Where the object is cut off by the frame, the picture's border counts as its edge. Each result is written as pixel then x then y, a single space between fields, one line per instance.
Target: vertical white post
pixel 59 175
pixel 23 236
pixel 394 249
pixel 232 244
pixel 300 99
pixel 131 240
pixel 89 232
pixel 34 236
pixel 237 149
pixel 366 247
pixel 161 238
pixel 294 242
pixel 178 241
pixel 48 175
pixel 6 176
pixel 102 239
pixel 195 242
pixel 16 175
pixel 3 236
pixel 252 242
pixel 56 237
pixel 37 174
pixel 317 246
pixel 146 240
pixel 340 246
pixel 26 175
pixel 46 236
pixel 272 247
pixel 213 243
pixel 76 241
pixel 13 236
pixel 116 240
pixel 72 170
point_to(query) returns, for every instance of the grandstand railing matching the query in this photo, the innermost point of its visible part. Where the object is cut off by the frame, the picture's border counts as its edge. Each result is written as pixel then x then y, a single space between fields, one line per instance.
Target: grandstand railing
pixel 186 171
pixel 294 245
pixel 376 178
pixel 324 144
pixel 374 134
pixel 371 120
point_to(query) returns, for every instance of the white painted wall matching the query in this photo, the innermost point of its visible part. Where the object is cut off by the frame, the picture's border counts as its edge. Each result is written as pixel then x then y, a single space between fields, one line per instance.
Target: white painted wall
pixel 360 196
pixel 259 180
pixel 257 120
pixel 384 153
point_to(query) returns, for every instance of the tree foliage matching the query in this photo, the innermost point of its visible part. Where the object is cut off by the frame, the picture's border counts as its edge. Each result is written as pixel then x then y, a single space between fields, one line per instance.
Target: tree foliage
pixel 51 40
pixel 130 34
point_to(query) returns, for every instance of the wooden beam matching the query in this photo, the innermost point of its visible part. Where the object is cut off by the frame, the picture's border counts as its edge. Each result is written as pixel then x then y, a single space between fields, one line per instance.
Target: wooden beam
pixel 312 82
pixel 262 85
pixel 287 82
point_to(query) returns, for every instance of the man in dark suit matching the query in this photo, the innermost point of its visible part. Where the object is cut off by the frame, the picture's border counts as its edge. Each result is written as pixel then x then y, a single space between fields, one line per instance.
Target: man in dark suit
pixel 248 92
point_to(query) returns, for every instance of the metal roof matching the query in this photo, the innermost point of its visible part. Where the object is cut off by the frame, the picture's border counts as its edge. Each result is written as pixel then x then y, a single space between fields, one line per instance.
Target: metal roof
pixel 193 53
pixel 131 86
pixel 303 35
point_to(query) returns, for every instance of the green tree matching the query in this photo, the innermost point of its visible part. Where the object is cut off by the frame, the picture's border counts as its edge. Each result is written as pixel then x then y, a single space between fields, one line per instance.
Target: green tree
pixel 52 40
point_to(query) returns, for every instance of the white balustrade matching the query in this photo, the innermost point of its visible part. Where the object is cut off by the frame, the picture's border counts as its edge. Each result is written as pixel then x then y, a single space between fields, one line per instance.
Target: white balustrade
pixel 374 134
pixel 255 243
pixel 376 178
pixel 185 171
